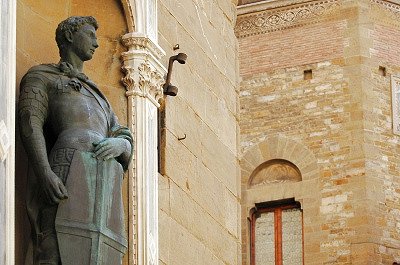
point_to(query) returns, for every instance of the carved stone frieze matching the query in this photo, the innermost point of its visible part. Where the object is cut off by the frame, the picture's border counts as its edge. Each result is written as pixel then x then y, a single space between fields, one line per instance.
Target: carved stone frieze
pixel 393 8
pixel 283 17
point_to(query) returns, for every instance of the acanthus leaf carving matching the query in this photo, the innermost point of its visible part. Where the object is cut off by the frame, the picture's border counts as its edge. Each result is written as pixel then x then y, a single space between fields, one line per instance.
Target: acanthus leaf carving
pixel 128 80
pixel 150 81
pixel 143 81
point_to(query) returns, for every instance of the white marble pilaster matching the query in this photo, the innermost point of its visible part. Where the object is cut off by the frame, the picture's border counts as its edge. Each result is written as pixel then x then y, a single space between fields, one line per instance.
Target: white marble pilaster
pixel 143 81
pixel 7 119
pixel 146 18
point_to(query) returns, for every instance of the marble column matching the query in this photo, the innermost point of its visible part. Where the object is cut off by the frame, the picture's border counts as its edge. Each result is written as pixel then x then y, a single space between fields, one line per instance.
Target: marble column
pixel 143 81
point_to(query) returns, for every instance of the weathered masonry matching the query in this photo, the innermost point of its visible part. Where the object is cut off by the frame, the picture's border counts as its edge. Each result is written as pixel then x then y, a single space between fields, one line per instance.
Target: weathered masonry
pixel 315 95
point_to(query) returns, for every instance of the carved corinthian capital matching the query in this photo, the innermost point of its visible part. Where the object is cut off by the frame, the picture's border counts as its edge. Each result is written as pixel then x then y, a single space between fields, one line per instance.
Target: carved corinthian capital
pixel 144 73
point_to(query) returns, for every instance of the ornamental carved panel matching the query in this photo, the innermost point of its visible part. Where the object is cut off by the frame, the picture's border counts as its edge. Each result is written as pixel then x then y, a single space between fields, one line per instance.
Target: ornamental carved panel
pixel 286 17
pixel 393 8
pixel 275 171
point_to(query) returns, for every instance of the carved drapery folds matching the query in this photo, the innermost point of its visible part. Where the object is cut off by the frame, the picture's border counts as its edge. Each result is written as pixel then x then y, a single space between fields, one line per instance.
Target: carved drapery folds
pixel 144 78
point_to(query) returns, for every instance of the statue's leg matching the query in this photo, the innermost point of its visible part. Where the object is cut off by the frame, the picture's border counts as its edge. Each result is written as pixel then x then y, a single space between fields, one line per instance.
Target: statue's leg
pixel 48 251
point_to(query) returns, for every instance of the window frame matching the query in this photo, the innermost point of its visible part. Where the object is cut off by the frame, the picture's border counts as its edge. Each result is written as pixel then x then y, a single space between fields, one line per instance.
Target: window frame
pixel 277 207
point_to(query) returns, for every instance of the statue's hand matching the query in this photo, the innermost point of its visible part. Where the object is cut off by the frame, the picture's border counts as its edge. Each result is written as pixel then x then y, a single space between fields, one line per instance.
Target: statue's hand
pixel 53 188
pixel 109 148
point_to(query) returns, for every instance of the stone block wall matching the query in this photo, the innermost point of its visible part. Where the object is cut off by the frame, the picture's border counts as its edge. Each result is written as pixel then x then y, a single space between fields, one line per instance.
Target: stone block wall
pixel 342 115
pixel 200 186
pixel 381 144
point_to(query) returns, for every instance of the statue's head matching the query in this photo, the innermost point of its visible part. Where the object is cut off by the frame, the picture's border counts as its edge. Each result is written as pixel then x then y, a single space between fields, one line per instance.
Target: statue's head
pixel 77 35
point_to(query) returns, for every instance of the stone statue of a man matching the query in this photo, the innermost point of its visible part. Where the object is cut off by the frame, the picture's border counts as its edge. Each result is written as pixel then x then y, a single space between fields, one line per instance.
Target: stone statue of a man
pixel 77 153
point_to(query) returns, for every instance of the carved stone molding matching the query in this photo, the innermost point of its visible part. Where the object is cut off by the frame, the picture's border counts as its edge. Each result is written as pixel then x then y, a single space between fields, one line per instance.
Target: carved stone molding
pixel 8 34
pixel 135 42
pixel 146 18
pixel 392 6
pixel 284 17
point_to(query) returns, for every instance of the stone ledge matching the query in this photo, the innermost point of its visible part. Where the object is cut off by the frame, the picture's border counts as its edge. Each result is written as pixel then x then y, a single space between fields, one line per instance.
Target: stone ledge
pixel 262 18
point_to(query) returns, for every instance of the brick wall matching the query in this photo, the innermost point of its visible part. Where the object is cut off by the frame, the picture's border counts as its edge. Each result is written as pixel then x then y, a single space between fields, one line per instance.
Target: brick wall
pixel 386 47
pixel 291 47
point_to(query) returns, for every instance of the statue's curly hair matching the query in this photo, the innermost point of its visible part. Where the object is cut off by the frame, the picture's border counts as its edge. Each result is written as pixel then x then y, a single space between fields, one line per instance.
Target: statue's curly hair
pixel 72 24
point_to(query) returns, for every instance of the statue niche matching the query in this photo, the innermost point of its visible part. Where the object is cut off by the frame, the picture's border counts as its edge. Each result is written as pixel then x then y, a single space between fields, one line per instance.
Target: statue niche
pixel 77 154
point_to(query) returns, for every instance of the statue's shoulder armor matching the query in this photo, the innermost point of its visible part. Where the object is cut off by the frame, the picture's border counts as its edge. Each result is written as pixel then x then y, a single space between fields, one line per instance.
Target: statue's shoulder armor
pixel 35 84
pixel 43 71
pixel 40 77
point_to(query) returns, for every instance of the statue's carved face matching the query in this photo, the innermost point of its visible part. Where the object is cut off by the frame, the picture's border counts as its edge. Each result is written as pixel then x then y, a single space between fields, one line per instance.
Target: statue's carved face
pixel 84 42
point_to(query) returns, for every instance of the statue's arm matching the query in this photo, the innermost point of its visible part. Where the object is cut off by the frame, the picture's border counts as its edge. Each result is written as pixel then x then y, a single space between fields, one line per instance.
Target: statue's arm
pixel 117 145
pixel 32 112
pixel 122 132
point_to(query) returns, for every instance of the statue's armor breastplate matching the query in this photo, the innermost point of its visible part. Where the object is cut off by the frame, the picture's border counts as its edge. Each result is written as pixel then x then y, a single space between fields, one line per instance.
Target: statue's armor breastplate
pixel 76 116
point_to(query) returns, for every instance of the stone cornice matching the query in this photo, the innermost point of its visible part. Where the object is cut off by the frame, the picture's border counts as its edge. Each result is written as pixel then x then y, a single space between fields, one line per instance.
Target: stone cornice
pixel 266 4
pixel 137 41
pixel 392 6
pixel 278 18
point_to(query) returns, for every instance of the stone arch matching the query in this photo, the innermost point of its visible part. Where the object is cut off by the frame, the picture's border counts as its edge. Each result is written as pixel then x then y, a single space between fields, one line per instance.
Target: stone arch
pixel 279 147
pixel 302 187
pixel 130 13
